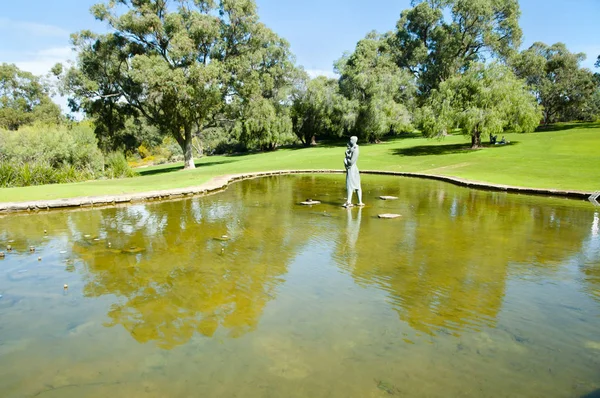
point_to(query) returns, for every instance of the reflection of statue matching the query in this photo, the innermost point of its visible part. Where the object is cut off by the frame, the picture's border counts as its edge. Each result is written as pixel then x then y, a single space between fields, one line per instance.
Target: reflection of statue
pixel 352 231
pixel 352 175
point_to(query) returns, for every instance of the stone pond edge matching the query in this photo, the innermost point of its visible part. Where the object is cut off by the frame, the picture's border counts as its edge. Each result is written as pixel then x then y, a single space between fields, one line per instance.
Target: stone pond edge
pixel 218 184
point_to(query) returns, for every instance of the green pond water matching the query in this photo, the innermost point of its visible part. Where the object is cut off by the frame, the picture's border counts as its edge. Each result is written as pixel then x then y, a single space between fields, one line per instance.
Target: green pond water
pixel 248 294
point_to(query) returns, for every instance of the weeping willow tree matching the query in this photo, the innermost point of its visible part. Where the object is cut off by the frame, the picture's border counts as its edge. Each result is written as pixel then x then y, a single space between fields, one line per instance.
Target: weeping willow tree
pixel 484 100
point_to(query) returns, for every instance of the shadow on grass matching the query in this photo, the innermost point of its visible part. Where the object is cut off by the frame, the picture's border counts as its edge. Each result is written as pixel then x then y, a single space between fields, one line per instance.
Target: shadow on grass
pixel 567 126
pixel 594 394
pixel 444 149
pixel 337 142
pixel 177 167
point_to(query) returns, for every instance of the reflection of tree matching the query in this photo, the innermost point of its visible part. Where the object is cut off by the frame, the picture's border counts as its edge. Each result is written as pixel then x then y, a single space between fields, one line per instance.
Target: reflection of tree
pixel 445 262
pixel 176 274
pixel 168 265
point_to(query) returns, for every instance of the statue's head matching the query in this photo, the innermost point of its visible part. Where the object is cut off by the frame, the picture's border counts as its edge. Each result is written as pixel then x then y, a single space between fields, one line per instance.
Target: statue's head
pixel 353 140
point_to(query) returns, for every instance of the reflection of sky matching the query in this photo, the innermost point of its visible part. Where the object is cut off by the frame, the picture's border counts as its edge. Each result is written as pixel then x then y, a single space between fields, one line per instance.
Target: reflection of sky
pixel 140 217
pixel 591 246
pixel 454 208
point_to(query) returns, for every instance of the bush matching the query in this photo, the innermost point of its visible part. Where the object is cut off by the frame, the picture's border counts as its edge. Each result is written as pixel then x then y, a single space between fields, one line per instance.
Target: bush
pixel 53 145
pixel 116 166
pixel 38 173
pixel 37 155
pixel 8 175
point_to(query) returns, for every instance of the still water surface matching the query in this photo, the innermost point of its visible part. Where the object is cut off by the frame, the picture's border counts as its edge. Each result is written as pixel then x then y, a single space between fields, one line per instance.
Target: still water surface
pixel 248 294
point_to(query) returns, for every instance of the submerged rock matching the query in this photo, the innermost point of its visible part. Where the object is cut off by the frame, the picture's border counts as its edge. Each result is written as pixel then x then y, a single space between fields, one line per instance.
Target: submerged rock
pixel 389 216
pixel 133 250
pixel 310 202
pixel 387 387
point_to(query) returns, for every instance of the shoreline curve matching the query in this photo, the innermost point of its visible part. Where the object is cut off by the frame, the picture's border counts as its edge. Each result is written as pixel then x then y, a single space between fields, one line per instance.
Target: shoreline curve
pixel 218 184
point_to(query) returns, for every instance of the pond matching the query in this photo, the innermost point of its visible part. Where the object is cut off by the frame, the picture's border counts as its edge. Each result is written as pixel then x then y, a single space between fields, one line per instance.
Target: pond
pixel 246 293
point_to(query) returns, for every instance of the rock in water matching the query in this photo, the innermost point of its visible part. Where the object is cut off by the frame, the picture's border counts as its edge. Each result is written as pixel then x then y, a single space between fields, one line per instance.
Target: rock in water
pixel 388 197
pixel 389 216
pixel 310 202
pixel 133 250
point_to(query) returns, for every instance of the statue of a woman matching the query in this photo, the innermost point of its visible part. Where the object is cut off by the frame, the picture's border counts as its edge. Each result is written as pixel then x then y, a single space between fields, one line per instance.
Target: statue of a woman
pixel 352 175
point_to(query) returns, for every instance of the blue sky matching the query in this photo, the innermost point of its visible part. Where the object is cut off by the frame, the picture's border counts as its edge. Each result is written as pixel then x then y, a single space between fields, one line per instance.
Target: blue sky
pixel 36 32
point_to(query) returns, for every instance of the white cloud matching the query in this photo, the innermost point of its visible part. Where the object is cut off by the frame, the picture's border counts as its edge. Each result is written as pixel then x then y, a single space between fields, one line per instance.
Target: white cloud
pixel 40 62
pixel 321 72
pixel 32 28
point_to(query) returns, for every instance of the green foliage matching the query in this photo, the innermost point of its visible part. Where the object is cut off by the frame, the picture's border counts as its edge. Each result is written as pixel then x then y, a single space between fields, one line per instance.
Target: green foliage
pixel 484 100
pixel 563 88
pixel 198 66
pixel 384 93
pixel 24 99
pixel 116 166
pixel 319 109
pixel 218 141
pixel 434 47
pixel 39 173
pixel 38 155
pixel 264 126
pixel 53 145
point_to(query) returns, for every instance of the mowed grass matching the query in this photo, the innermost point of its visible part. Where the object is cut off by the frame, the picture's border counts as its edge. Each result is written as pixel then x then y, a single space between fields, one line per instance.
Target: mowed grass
pixel 563 157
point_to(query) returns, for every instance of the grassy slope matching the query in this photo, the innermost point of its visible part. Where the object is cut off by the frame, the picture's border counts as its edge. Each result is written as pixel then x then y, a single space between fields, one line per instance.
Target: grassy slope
pixel 566 158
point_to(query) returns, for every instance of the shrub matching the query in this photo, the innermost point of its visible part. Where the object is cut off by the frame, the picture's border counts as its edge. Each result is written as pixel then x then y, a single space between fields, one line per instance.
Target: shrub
pixel 8 174
pixel 36 155
pixel 143 152
pixel 54 145
pixel 116 166
pixel 39 173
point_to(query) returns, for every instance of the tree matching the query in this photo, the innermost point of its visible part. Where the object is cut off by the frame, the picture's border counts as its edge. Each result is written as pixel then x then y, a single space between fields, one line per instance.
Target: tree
pixel 178 66
pixel 24 99
pixel 264 76
pixel 434 48
pixel 320 109
pixel 383 91
pixel 562 87
pixel 94 87
pixel 483 100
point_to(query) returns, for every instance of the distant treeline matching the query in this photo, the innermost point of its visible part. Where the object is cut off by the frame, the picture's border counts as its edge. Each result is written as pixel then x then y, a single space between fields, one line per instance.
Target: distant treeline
pixel 209 77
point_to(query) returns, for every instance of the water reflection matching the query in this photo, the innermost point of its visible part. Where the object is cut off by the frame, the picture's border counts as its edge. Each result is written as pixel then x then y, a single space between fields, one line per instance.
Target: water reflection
pixel 347 249
pixel 179 268
pixel 191 267
pixel 212 265
pixel 271 298
pixel 589 259
pixel 446 262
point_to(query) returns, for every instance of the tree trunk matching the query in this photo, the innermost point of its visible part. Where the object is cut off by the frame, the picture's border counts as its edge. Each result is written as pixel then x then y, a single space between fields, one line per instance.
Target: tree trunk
pixel 188 153
pixel 313 140
pixel 185 143
pixel 476 139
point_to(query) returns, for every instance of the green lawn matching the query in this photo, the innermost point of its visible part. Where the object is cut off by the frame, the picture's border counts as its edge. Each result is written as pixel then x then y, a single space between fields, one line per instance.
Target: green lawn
pixel 566 157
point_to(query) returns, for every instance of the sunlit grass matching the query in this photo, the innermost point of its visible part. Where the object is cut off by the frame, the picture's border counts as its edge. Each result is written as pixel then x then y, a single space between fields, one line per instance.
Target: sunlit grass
pixel 565 157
